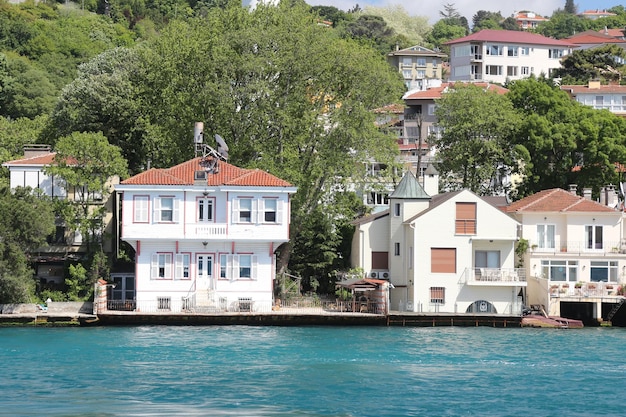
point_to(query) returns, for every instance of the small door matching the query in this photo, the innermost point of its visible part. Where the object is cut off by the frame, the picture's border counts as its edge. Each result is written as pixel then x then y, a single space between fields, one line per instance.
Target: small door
pixel 204 272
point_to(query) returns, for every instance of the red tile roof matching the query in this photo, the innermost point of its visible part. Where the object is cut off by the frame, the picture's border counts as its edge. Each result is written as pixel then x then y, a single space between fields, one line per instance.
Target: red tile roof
pixel 605 89
pixel 436 92
pixel 44 159
pixel 530 16
pixel 183 174
pixel 556 199
pixel 391 108
pixel 615 33
pixel 40 160
pixel 592 37
pixel 510 36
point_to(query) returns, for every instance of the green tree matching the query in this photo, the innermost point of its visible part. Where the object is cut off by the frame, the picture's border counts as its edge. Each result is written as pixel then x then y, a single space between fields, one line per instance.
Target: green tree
pixel 15 133
pixel 570 7
pixel 332 14
pixel 26 219
pixel 562 24
pixel 87 162
pixel 486 20
pixel 26 90
pixel 288 95
pixel 105 97
pixel 371 30
pixel 413 28
pixel 603 62
pixel 475 149
pixel 567 143
pixel 509 24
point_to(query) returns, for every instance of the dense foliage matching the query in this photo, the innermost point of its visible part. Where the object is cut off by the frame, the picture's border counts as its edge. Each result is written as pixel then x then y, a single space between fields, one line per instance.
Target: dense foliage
pixel 291 89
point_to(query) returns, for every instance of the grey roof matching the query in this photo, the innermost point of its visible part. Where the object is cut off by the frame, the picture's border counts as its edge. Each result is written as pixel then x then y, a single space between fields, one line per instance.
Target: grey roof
pixel 431 170
pixel 410 188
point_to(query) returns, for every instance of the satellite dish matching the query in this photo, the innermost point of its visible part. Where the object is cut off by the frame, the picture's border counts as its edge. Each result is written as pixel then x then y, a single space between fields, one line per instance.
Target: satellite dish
pixel 221 143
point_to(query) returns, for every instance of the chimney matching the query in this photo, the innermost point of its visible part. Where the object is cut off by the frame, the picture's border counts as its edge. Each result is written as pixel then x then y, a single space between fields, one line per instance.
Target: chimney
pixel 587 193
pixel 431 180
pixel 594 84
pixel 609 196
pixel 35 150
pixel 573 188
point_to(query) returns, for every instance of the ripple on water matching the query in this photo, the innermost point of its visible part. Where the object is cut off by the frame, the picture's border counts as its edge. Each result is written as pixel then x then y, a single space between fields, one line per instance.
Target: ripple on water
pixel 310 371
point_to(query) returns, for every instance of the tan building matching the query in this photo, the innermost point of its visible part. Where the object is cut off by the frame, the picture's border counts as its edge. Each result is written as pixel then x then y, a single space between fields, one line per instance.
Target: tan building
pixel 418 66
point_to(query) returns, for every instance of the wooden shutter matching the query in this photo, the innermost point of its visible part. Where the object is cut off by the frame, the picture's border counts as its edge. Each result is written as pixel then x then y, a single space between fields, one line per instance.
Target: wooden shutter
pixel 279 211
pixel 155 266
pixel 465 218
pixel 175 209
pixel 253 267
pixel 380 260
pixel 157 209
pixel 179 266
pixel 443 260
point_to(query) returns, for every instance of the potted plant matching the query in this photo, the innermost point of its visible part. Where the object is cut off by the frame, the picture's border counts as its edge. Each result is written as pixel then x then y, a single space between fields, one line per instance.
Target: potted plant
pixel 578 285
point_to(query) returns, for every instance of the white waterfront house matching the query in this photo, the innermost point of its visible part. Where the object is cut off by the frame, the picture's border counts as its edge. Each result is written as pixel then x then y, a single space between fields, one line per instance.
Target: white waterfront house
pixel 576 258
pixel 205 234
pixel 499 56
pixel 449 253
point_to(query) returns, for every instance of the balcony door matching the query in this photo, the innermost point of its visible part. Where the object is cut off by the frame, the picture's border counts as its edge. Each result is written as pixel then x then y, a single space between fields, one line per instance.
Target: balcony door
pixel 487 259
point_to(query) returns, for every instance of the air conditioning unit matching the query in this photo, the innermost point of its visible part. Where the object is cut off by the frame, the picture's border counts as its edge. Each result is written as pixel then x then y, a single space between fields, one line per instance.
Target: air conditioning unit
pixel 385 275
pixel 373 274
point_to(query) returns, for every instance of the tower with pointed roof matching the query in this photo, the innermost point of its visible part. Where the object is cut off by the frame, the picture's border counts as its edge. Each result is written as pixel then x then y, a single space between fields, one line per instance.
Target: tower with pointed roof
pixel 407 200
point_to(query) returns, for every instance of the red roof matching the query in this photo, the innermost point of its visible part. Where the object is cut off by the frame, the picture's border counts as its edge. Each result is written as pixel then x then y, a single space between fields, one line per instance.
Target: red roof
pixel 530 16
pixel 40 160
pixel 183 174
pixel 615 33
pixel 44 159
pixel 556 199
pixel 510 36
pixel 436 92
pixel 592 37
pixel 603 89
pixel 391 108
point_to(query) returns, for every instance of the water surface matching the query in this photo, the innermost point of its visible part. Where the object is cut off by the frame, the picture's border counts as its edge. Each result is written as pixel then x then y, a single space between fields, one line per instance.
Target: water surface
pixel 311 371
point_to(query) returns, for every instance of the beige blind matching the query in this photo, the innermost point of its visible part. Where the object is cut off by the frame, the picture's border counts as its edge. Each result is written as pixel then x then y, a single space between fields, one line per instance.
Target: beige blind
pixel 443 260
pixel 465 218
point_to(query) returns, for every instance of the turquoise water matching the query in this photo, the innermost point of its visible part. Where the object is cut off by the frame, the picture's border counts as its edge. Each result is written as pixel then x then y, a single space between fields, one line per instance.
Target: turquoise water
pixel 311 371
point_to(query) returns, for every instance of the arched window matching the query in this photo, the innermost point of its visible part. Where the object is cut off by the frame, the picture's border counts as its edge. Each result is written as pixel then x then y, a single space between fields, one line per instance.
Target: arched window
pixel 481 306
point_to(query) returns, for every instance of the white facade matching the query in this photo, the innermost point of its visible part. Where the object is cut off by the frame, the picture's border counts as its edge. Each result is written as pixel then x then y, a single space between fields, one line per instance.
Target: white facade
pixel 504 56
pixel 599 97
pixel 576 248
pixel 205 244
pixel 439 261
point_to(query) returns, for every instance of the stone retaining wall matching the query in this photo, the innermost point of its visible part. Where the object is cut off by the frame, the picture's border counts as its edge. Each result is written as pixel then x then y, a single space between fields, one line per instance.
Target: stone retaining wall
pixel 69 307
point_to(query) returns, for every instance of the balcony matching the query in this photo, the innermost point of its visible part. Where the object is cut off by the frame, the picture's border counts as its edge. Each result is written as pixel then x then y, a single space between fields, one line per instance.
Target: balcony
pixel 498 277
pixel 579 247
pixel 211 231
pixel 585 289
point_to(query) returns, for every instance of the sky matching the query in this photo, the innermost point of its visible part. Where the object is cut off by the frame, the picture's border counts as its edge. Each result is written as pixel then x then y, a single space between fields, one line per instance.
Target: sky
pixel 467 8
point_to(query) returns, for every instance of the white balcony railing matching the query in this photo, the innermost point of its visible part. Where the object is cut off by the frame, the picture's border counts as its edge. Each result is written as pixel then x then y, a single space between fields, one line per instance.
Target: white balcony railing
pixel 586 289
pixel 211 231
pixel 580 247
pixel 495 276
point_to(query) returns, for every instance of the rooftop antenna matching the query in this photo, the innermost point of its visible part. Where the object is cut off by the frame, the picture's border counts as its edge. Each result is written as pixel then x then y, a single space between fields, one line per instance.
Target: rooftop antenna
pixel 210 156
